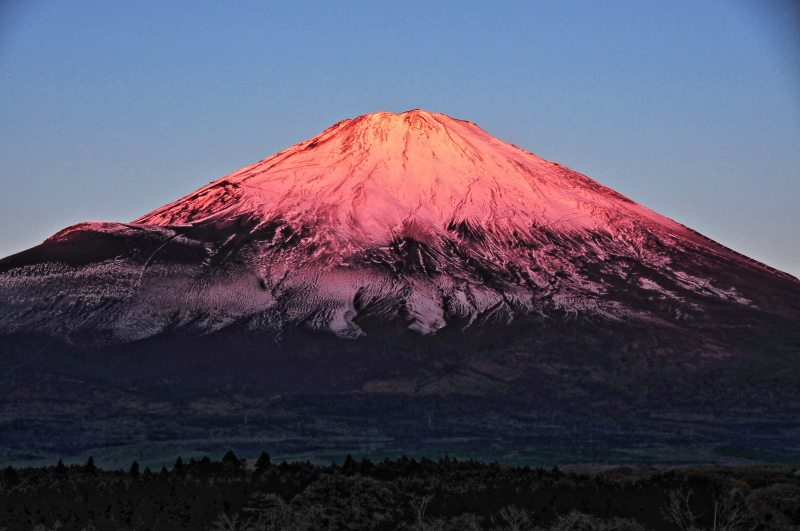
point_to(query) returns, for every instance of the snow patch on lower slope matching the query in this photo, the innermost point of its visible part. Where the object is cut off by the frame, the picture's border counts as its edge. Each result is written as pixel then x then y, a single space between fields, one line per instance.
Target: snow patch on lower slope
pixel 65 301
pixel 181 297
pixel 703 285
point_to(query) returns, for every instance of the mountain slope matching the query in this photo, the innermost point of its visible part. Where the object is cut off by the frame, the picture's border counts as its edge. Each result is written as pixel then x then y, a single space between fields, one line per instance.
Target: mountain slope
pixel 395 223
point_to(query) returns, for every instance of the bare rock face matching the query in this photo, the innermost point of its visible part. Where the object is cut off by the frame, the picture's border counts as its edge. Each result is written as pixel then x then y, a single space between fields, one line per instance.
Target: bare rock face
pixel 412 222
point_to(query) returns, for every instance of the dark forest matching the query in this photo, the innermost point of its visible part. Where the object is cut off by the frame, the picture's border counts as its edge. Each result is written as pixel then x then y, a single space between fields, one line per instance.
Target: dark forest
pixel 405 494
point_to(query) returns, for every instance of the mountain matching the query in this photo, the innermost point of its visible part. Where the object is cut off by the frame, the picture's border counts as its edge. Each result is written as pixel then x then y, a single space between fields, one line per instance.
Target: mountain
pixel 412 217
pixel 409 254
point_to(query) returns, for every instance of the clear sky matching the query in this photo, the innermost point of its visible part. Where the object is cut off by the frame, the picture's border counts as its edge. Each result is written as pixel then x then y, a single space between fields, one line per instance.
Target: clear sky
pixel 691 108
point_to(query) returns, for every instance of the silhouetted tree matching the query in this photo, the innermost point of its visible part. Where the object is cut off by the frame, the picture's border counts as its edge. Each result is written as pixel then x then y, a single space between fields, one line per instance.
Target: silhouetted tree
pixel 60 469
pixel 134 471
pixel 366 466
pixel 178 467
pixel 231 463
pixel 263 463
pixel 350 466
pixel 90 467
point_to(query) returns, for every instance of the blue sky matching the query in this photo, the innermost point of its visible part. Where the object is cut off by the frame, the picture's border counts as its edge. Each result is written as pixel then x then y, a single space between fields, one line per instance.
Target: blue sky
pixel 691 108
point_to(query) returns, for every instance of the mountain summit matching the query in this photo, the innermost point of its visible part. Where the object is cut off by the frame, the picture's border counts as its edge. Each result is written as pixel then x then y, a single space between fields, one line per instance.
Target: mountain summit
pixel 389 223
pixel 366 182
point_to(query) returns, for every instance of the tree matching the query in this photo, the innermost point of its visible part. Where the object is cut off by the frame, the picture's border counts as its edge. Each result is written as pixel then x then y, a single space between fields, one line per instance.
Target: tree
pixel 134 471
pixel 230 459
pixel 178 467
pixel 228 523
pixel 263 463
pixel 60 470
pixel 350 466
pixel 679 512
pixel 420 504
pixel 729 511
pixel 513 518
pixel 90 467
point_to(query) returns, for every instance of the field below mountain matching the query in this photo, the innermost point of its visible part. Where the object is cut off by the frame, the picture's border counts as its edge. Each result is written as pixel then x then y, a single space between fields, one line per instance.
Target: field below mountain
pixel 71 419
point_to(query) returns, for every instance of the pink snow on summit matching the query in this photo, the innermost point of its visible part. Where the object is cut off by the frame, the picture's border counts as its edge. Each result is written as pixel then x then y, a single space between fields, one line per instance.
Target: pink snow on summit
pixel 414 174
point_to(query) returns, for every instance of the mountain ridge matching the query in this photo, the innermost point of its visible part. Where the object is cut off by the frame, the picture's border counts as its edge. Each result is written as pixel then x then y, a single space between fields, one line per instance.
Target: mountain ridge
pixel 412 218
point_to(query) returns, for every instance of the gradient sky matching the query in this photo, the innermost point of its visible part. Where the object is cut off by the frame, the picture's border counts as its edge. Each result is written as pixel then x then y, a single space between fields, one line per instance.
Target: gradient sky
pixel 691 108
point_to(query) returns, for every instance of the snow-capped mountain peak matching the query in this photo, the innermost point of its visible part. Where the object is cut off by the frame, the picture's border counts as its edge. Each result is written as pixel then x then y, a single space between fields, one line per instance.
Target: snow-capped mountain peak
pixel 413 218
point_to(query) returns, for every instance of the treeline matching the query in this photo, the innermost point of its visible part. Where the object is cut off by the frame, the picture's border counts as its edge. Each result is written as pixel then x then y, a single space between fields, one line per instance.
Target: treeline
pixel 404 494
